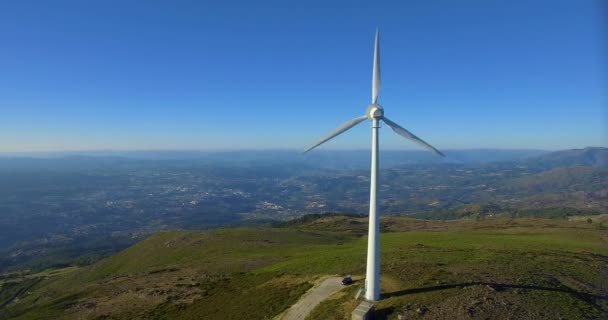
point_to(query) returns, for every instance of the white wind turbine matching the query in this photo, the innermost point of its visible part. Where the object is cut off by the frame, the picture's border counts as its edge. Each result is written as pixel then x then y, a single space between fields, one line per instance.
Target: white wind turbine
pixel 375 113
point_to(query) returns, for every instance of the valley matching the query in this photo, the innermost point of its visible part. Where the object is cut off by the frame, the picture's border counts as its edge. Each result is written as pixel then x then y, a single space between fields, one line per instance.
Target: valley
pixel 68 211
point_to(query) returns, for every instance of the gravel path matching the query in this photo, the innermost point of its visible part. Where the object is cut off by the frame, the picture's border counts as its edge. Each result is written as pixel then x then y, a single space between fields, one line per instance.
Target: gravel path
pixel 312 298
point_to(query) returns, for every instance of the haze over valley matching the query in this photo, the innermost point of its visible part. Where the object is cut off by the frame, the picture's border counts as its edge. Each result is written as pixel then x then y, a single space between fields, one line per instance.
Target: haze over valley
pixel 72 209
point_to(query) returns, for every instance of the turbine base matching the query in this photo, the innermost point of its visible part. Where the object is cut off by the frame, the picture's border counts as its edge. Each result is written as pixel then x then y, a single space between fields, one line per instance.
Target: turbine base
pixel 364 311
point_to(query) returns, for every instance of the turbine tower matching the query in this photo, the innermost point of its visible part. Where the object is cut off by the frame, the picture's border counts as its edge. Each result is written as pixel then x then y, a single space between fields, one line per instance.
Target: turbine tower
pixel 375 113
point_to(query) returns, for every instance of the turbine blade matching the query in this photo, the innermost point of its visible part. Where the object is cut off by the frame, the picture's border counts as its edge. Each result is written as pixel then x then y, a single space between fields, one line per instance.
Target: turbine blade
pixel 345 126
pixel 408 135
pixel 376 72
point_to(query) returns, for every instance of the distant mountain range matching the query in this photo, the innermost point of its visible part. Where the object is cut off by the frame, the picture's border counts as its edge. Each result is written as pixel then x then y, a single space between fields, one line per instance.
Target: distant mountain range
pixel 591 156
pixel 345 159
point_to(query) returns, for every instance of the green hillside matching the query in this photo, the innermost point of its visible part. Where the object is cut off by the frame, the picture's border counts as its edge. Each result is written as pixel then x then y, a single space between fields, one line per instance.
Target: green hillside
pixel 490 268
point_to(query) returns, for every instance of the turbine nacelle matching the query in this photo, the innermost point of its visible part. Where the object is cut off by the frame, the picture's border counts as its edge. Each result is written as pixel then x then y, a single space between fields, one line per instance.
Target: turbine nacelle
pixel 374 111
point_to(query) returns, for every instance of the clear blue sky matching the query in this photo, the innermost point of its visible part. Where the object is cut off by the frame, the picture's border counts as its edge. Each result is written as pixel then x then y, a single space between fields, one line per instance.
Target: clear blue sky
pixel 87 75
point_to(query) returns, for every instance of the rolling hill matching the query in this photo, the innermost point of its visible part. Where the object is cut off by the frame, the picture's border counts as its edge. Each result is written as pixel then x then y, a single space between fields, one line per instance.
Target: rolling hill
pixel 490 268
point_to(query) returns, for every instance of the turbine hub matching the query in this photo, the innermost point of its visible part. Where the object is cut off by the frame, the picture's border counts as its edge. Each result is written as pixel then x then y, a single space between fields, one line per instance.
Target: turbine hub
pixel 374 111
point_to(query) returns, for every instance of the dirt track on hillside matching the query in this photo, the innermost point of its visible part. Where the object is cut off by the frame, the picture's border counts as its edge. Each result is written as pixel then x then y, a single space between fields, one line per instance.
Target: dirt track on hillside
pixel 312 298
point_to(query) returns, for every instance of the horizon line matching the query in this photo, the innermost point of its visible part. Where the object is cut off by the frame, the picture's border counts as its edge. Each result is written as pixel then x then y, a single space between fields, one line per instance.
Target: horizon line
pixel 211 150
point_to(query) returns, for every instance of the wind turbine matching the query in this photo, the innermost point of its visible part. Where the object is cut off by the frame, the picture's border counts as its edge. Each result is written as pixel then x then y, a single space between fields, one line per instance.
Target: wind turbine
pixel 374 113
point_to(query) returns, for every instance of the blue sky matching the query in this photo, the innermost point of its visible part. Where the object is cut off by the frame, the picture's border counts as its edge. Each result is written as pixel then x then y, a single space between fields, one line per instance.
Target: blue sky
pixel 123 75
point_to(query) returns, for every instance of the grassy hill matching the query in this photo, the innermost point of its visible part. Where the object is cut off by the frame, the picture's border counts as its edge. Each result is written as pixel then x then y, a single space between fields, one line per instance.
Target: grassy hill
pixel 489 268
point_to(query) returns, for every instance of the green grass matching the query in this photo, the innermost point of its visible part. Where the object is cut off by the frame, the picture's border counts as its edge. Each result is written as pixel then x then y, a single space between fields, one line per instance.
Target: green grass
pixel 528 268
pixel 237 297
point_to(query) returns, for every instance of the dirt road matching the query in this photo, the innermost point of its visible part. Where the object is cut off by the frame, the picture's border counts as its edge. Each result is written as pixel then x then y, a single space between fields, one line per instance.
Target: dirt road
pixel 312 298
